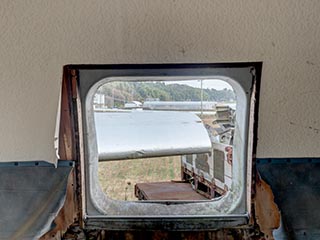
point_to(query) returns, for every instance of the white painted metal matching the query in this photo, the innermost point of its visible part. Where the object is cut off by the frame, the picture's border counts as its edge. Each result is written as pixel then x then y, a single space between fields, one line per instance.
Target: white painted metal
pixel 139 133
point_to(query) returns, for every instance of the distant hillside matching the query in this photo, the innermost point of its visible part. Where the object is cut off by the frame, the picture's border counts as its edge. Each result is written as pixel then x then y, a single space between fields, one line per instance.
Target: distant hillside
pixel 140 91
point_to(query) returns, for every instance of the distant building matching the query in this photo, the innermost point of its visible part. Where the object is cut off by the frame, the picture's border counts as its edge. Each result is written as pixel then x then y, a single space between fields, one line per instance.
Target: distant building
pixel 133 105
pixel 99 101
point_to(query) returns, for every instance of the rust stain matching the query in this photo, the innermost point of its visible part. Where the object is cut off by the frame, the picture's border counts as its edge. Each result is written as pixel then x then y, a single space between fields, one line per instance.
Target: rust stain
pixel 66 135
pixel 165 235
pixel 267 212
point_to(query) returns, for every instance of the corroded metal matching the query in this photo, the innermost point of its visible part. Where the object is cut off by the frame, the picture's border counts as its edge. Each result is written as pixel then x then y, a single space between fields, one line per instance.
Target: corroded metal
pixel 67 139
pixel 267 212
pixel 295 184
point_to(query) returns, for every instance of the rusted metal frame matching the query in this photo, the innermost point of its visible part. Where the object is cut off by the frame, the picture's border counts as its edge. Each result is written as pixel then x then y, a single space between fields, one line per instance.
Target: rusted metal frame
pixel 174 223
pixel 265 214
pixel 104 217
pixel 69 150
pixel 226 234
pixel 69 131
pixel 251 170
pixel 74 102
pixel 73 97
pixel 66 130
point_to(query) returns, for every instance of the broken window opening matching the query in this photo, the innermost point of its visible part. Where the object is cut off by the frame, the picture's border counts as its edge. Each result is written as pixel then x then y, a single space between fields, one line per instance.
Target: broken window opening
pixel 227 208
pixel 163 120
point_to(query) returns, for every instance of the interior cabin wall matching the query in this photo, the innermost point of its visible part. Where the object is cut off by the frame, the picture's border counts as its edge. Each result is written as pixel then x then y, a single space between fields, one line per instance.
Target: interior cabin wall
pixel 39 37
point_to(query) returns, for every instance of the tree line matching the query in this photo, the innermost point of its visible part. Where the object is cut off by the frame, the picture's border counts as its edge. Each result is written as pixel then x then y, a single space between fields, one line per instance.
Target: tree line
pixel 141 91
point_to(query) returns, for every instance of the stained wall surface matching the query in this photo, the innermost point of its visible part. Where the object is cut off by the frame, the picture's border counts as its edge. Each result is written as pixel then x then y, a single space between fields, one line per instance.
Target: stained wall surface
pixel 39 37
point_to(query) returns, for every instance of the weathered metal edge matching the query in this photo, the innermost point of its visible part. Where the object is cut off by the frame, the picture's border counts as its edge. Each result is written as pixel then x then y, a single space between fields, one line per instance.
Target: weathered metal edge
pixel 172 223
pixel 61 163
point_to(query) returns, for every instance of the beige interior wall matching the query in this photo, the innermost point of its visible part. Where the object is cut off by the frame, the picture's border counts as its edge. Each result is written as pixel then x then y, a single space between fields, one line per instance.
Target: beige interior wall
pixel 38 37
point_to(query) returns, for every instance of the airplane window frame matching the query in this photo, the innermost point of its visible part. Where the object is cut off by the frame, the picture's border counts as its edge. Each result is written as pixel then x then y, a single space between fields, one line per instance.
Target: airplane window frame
pixel 245 76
